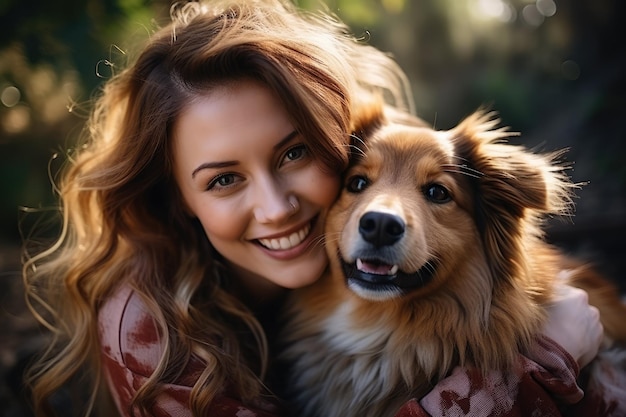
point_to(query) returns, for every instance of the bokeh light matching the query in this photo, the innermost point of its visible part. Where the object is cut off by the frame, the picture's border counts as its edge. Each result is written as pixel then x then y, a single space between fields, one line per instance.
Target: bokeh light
pixel 10 96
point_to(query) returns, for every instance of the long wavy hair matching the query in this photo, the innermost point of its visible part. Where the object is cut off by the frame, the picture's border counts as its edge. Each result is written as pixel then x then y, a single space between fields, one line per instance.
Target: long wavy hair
pixel 123 219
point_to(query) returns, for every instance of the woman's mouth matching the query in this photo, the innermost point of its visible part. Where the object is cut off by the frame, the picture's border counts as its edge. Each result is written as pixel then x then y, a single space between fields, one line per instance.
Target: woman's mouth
pixel 287 242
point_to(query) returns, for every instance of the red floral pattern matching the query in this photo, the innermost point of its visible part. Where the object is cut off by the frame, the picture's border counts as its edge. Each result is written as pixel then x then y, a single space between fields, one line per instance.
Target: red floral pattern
pixel 543 383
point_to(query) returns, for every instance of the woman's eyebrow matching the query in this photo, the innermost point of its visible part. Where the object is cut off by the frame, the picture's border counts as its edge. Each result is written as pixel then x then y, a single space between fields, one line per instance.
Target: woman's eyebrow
pixel 213 165
pixel 223 164
pixel 286 139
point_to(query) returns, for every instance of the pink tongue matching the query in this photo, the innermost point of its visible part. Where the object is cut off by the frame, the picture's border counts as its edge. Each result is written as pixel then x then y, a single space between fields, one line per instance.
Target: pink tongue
pixel 374 268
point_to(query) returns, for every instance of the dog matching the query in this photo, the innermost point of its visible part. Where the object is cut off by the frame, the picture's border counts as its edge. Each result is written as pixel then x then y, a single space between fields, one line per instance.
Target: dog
pixel 437 259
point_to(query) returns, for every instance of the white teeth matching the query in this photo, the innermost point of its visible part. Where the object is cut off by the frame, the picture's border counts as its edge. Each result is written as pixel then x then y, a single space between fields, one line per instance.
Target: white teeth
pixel 287 242
pixel 381 269
pixel 294 239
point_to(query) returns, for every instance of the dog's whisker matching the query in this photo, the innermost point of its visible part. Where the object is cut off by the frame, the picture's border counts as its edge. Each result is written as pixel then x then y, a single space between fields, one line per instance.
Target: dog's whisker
pixel 355 149
pixel 430 267
pixel 358 139
pixel 319 241
pixel 465 173
pixel 462 169
pixel 463 161
pixel 461 158
pixel 361 147
pixel 329 237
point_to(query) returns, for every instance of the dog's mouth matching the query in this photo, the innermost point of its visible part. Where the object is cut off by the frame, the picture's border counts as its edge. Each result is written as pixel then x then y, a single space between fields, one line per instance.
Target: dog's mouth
pixel 376 275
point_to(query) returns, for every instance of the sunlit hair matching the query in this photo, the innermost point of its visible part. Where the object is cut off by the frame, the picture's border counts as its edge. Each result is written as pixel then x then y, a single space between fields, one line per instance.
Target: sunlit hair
pixel 123 220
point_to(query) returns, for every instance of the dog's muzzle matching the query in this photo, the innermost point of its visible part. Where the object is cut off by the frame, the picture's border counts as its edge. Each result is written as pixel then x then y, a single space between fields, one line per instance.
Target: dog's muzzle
pixel 374 269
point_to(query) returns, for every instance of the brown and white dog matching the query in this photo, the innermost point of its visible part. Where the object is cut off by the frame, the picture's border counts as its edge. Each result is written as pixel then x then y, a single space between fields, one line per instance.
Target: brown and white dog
pixel 437 259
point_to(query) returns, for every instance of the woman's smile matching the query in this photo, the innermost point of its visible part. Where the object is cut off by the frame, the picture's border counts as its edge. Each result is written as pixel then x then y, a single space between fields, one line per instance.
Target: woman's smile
pixel 288 240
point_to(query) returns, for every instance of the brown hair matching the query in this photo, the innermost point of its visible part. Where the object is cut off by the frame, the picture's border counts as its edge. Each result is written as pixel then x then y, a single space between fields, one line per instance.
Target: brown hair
pixel 122 213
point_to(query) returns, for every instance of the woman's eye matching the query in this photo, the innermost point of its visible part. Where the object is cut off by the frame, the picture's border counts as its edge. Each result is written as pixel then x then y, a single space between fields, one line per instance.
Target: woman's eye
pixel 295 153
pixel 222 181
pixel 437 193
pixel 357 184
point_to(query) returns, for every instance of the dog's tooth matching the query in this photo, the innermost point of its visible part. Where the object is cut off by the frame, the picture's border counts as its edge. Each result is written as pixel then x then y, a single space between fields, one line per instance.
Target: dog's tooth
pixel 393 270
pixel 359 264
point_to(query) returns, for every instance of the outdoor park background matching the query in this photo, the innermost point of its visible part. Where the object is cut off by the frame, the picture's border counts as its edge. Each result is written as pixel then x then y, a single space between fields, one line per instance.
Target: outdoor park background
pixel 554 69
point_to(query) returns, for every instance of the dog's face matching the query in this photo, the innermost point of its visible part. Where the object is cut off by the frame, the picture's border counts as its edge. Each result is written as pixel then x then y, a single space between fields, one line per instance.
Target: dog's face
pixel 402 215
pixel 421 209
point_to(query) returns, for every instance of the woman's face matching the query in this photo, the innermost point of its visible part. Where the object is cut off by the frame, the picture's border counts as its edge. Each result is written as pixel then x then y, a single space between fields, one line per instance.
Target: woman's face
pixel 245 173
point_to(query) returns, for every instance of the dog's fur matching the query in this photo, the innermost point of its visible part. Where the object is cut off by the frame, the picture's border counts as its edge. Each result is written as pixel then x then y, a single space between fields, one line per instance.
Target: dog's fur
pixel 452 265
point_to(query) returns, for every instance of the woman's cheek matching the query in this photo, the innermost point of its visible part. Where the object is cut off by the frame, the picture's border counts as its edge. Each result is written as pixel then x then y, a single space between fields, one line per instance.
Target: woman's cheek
pixel 224 221
pixel 326 186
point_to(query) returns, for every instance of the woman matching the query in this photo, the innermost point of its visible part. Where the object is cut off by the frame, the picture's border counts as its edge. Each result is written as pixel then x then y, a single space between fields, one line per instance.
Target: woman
pixel 198 199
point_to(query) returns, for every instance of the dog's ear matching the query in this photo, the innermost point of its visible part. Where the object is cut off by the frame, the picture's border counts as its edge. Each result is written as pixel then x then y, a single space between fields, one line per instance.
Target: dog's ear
pixel 366 118
pixel 370 115
pixel 509 176
pixel 513 188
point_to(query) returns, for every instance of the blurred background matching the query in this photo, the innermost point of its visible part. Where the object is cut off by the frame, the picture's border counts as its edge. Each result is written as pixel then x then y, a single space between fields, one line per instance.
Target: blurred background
pixel 555 70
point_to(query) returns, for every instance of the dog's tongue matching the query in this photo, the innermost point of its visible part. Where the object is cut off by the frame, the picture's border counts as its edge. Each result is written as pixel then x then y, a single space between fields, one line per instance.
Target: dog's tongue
pixel 376 267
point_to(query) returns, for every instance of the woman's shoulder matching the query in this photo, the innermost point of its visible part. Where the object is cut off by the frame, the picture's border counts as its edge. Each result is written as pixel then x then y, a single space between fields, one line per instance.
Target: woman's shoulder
pixel 131 345
pixel 128 332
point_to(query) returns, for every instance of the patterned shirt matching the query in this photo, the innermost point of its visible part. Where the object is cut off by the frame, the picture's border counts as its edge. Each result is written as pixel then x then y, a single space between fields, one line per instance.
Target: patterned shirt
pixel 542 383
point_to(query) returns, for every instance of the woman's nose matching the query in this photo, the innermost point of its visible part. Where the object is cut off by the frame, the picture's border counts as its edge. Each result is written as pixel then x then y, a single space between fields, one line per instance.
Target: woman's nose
pixel 273 203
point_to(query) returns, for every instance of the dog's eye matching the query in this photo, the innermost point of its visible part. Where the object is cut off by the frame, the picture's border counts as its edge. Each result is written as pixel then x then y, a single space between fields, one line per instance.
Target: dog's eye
pixel 437 193
pixel 357 184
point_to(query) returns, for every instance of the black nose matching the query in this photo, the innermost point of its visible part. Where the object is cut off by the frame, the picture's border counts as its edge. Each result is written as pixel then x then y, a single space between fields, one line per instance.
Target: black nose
pixel 381 229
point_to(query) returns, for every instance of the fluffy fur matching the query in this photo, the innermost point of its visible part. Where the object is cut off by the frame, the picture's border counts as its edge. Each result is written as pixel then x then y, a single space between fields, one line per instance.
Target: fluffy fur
pixel 437 259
